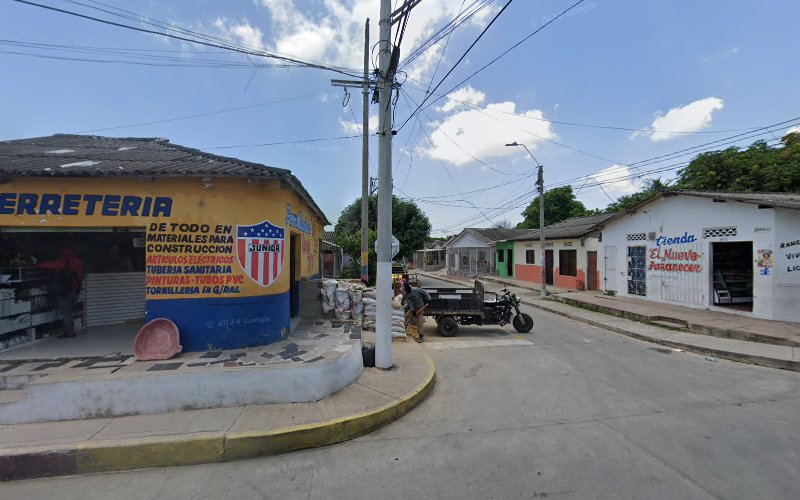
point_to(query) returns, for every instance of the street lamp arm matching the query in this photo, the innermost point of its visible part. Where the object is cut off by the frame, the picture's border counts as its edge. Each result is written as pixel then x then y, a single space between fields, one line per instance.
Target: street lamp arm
pixel 515 143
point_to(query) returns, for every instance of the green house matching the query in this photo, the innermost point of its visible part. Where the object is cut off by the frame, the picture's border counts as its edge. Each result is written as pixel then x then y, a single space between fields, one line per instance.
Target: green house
pixel 505 259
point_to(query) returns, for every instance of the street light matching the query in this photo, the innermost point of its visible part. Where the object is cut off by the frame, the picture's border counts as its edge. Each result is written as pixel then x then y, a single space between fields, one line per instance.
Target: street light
pixel 540 183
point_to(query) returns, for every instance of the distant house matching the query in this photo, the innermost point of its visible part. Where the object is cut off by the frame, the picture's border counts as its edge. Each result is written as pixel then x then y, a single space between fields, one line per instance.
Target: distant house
pixel 432 256
pixel 570 258
pixel 332 256
pixel 473 251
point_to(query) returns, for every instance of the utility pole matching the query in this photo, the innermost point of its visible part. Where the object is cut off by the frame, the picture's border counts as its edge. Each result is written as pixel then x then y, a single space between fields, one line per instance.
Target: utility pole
pixel 365 179
pixel 383 323
pixel 365 164
pixel 540 187
pixel 540 182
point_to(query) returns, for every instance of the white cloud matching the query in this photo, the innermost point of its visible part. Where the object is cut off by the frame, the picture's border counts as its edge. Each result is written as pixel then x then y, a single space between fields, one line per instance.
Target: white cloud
pixel 333 31
pixel 615 180
pixel 461 98
pixel 242 32
pixel 694 116
pixel 485 132
pixel 795 129
pixel 351 127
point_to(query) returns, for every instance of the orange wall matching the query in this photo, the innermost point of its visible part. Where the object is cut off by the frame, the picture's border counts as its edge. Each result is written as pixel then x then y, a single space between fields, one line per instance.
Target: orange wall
pixel 528 272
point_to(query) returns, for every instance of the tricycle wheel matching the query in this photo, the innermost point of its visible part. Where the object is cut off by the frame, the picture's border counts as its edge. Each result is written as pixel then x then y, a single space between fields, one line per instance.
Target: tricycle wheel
pixel 523 323
pixel 448 326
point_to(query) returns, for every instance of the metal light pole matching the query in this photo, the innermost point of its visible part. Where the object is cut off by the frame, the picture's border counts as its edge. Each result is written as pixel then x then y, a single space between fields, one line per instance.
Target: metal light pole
pixel 383 320
pixel 540 185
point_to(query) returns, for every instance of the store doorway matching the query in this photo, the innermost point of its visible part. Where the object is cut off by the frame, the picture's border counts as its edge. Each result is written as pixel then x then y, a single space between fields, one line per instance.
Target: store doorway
pixel 548 267
pixel 509 262
pixel 637 272
pixel 732 274
pixel 591 279
pixel 107 311
pixel 294 289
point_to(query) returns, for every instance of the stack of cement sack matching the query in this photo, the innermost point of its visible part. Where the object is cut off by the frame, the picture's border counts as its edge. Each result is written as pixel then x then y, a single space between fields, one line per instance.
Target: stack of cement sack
pixel 369 309
pixel 398 321
pixel 344 298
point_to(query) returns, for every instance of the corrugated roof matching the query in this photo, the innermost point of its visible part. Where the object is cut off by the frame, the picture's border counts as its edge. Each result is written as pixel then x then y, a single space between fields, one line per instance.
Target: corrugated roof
pixel 329 236
pixel 492 234
pixel 782 200
pixel 66 155
pixel 574 227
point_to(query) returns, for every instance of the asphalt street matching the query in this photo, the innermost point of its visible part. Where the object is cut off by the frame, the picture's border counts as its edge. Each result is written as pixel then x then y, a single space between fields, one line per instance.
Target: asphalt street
pixel 567 411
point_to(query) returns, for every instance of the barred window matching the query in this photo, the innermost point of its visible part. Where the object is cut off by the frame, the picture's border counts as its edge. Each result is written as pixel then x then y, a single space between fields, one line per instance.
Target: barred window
pixel 719 232
pixel 637 237
pixel 530 256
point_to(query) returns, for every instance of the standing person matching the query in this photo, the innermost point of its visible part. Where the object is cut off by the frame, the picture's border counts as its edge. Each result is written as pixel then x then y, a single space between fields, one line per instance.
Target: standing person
pixel 65 286
pixel 415 306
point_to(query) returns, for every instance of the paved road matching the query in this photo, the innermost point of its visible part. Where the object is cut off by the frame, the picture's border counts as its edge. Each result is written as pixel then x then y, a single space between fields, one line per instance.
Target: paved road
pixel 569 411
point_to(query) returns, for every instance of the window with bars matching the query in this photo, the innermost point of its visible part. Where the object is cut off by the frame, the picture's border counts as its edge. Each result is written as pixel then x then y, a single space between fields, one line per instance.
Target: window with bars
pixel 530 256
pixel 568 262
pixel 719 232
pixel 637 237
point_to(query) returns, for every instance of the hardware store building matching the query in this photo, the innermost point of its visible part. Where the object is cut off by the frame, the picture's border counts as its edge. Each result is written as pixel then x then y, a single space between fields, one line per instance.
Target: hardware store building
pixel 735 252
pixel 218 245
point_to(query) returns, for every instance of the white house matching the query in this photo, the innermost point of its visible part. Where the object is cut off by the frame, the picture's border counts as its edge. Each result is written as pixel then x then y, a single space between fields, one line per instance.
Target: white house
pixel 570 257
pixel 473 251
pixel 737 252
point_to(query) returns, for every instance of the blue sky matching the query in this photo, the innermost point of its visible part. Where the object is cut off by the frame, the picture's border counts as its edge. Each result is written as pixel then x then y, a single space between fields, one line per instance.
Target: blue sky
pixel 712 69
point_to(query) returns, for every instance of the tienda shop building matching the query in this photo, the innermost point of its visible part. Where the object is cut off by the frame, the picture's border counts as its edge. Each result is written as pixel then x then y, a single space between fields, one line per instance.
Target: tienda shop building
pixel 732 252
pixel 215 244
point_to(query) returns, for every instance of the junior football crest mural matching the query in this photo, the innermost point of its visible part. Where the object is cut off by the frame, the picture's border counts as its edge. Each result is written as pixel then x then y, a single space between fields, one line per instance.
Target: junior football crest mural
pixel 260 249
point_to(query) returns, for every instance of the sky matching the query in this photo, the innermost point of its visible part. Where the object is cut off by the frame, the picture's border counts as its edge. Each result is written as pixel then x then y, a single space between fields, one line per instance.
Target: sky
pixel 609 95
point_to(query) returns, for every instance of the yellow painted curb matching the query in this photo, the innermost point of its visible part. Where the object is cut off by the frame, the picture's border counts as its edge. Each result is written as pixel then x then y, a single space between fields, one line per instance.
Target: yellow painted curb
pixel 213 447
pixel 152 452
pixel 240 445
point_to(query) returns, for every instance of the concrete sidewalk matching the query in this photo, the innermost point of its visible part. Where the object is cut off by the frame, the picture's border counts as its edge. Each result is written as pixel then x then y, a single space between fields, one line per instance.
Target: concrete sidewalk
pixel 785 357
pixel 217 434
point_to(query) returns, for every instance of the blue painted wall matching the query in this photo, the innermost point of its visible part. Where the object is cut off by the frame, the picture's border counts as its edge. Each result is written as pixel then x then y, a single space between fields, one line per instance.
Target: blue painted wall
pixel 225 323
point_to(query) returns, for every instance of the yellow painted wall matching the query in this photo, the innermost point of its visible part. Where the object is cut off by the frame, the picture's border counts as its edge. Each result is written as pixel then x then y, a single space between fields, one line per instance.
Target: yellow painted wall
pixel 228 202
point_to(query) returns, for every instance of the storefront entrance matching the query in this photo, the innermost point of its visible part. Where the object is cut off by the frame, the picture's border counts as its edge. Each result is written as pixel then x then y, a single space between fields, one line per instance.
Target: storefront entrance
pixel 548 267
pixel 732 274
pixel 637 274
pixel 112 264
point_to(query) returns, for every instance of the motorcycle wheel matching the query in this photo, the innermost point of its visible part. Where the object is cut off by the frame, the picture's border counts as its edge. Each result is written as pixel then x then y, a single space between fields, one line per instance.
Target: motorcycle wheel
pixel 448 326
pixel 523 323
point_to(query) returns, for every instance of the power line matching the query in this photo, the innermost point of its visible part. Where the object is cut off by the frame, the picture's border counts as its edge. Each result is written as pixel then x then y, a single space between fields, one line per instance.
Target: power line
pixel 459 61
pixel 229 47
pixel 265 144
pixel 574 124
pixel 565 11
pixel 200 115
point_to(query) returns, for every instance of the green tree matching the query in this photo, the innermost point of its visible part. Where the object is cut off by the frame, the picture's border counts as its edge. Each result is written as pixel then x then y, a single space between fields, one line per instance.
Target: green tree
pixel 651 188
pixel 559 204
pixel 409 224
pixel 759 167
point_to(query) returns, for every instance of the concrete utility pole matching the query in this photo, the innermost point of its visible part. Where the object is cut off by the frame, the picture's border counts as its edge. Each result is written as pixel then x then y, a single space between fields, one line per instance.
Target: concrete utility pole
pixel 540 187
pixel 540 182
pixel 383 323
pixel 365 165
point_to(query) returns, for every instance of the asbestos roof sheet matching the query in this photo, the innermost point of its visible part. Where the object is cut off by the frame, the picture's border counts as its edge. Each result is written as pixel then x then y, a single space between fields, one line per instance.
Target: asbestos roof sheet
pixel 67 155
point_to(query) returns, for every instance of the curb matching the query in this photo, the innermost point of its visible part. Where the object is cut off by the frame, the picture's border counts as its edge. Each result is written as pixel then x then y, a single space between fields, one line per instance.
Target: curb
pixel 212 447
pixel 781 364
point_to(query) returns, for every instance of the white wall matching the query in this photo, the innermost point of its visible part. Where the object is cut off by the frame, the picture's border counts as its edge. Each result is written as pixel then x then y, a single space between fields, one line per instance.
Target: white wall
pixel 786 296
pixel 689 215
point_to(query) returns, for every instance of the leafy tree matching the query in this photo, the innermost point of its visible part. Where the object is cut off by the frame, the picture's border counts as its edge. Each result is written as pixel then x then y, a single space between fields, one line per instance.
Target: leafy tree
pixel 559 204
pixel 759 167
pixel 409 224
pixel 651 188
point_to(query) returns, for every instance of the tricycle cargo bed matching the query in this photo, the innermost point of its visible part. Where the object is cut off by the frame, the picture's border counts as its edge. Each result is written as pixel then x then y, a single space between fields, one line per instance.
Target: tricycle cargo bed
pixel 456 301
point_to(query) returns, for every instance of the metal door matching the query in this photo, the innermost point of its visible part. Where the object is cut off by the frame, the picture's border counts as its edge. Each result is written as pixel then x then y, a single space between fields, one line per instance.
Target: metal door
pixel 548 269
pixel 510 262
pixel 591 279
pixel 637 274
